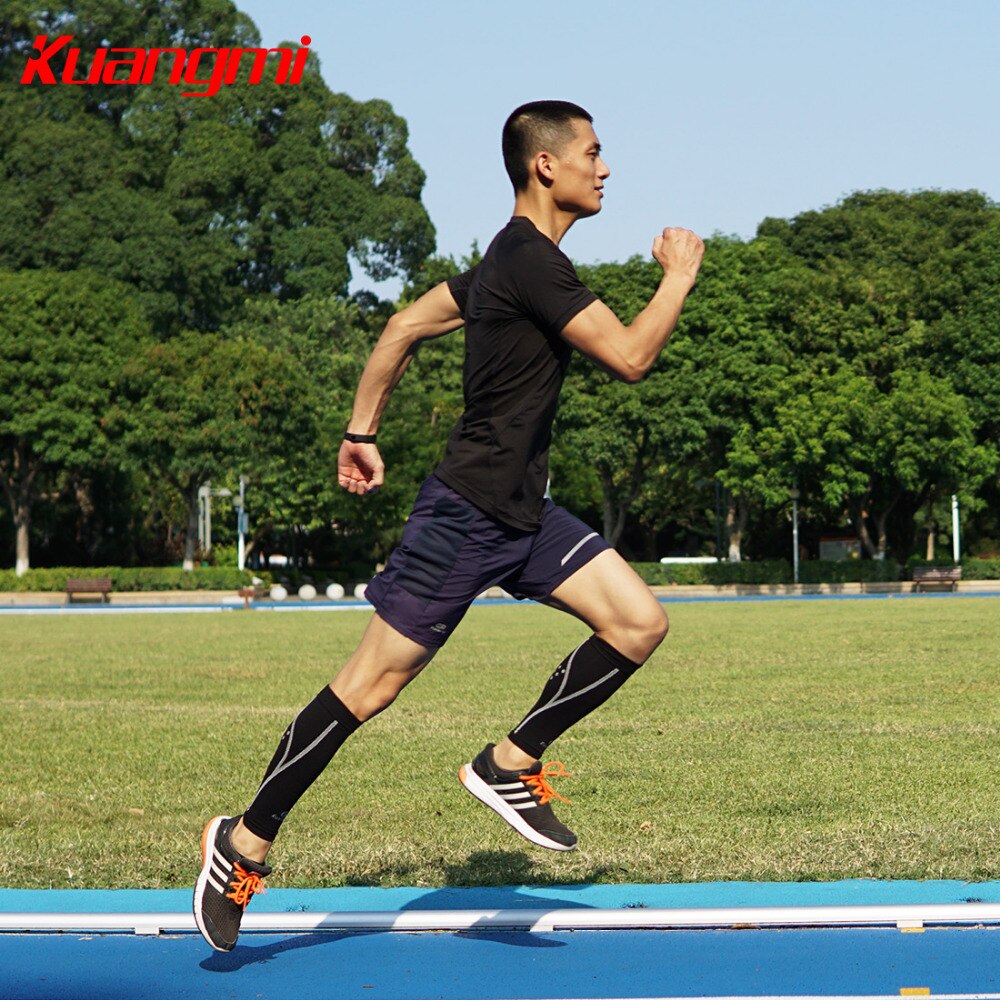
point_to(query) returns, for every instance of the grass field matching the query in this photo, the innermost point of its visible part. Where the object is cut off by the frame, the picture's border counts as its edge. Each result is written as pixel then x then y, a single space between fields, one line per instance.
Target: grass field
pixel 764 741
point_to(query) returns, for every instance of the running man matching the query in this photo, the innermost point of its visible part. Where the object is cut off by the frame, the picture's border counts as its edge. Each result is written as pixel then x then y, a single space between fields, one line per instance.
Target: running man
pixel 481 519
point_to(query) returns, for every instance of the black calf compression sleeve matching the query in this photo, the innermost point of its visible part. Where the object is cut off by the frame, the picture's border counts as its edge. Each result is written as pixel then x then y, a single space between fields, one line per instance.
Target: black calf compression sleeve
pixel 582 682
pixel 308 745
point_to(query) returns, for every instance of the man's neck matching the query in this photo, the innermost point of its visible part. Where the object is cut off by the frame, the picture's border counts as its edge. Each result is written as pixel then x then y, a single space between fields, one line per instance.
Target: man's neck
pixel 544 215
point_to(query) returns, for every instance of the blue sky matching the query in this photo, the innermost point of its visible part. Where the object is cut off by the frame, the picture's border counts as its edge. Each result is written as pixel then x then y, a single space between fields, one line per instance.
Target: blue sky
pixel 713 113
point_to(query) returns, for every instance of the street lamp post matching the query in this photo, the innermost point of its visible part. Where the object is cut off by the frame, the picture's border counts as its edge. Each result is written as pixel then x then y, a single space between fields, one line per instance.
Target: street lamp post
pixel 241 525
pixel 205 494
pixel 205 516
pixel 794 494
pixel 956 545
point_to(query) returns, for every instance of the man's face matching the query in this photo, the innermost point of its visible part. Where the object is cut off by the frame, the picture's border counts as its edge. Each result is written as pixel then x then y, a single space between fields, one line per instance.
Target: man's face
pixel 580 173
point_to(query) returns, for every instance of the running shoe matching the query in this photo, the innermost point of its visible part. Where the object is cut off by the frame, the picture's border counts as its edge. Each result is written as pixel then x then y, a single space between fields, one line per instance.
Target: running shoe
pixel 225 885
pixel 521 797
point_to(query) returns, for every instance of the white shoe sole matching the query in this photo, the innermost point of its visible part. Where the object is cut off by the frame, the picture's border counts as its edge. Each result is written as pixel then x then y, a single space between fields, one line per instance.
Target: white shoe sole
pixel 477 787
pixel 207 842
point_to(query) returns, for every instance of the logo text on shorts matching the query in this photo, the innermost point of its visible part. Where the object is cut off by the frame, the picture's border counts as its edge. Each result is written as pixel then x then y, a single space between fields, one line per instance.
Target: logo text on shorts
pixel 109 65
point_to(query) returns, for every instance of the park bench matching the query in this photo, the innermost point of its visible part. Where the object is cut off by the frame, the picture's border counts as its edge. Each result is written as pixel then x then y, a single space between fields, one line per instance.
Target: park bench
pixel 936 576
pixel 254 593
pixel 88 587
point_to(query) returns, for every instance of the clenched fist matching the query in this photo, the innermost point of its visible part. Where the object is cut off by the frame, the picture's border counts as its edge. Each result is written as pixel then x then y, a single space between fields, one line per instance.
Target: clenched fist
pixel 679 252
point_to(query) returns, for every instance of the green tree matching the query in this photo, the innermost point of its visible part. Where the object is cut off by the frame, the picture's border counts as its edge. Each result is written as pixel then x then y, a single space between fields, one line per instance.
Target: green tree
pixel 264 192
pixel 331 340
pixel 966 341
pixel 734 331
pixel 852 447
pixel 966 346
pixel 876 350
pixel 202 408
pixel 268 189
pixel 903 246
pixel 63 340
pixel 624 432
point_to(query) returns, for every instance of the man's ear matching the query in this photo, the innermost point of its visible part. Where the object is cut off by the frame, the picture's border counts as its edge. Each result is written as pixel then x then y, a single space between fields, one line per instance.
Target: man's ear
pixel 545 167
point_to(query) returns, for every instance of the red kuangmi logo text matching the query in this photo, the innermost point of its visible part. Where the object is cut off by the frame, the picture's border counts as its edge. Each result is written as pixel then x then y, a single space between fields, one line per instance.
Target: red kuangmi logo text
pixel 125 65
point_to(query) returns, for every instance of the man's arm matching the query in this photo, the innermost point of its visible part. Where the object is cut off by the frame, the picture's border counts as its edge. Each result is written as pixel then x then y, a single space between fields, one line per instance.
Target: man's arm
pixel 628 352
pixel 359 466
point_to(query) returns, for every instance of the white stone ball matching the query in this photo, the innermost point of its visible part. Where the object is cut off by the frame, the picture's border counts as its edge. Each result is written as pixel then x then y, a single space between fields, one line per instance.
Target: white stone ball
pixel 307 592
pixel 359 590
pixel 278 593
pixel 335 591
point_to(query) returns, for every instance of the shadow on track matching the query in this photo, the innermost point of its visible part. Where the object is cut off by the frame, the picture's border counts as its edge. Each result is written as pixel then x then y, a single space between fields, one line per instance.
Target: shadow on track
pixel 516 867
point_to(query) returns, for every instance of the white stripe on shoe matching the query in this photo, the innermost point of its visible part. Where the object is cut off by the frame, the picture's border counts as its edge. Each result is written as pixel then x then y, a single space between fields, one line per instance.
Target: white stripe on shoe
pixel 485 793
pixel 204 877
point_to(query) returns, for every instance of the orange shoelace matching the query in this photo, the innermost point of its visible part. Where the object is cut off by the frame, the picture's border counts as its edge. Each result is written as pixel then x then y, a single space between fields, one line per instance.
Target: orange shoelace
pixel 539 783
pixel 244 885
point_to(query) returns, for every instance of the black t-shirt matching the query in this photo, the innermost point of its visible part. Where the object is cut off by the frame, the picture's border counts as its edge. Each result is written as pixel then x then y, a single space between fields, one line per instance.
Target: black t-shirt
pixel 515 303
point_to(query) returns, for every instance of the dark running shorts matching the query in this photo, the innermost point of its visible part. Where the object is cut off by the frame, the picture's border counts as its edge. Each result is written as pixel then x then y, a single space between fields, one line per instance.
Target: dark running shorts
pixel 451 552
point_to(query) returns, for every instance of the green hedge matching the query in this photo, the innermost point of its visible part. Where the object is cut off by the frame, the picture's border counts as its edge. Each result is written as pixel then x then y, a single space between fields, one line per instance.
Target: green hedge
pixel 347 575
pixel 774 571
pixel 131 578
pixel 849 571
pixel 777 571
pixel 981 569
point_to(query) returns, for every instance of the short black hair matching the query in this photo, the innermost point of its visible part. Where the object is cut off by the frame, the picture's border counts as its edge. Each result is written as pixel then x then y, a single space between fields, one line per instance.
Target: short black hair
pixel 537 126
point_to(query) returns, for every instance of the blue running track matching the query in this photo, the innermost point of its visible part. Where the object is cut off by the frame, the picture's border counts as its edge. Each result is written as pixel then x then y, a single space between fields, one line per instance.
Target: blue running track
pixel 962 961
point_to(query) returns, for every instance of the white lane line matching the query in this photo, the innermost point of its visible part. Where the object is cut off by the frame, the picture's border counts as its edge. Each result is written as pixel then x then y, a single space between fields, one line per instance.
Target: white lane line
pixel 539 920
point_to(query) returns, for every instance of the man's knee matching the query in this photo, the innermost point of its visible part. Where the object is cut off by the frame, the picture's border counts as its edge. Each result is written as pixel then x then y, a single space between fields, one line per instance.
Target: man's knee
pixel 638 633
pixel 653 626
pixel 378 670
pixel 662 626
pixel 367 693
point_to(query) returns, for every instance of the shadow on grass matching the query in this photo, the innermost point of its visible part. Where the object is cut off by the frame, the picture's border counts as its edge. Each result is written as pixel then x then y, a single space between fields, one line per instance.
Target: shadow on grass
pixel 503 869
pixel 482 870
pixel 510 872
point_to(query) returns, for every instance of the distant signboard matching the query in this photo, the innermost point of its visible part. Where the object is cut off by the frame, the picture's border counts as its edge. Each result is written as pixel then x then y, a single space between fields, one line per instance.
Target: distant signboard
pixel 839 549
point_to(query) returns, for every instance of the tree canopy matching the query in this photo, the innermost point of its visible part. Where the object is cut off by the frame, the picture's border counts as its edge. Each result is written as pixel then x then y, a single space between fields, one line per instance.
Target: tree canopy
pixel 265 189
pixel 175 309
pixel 63 341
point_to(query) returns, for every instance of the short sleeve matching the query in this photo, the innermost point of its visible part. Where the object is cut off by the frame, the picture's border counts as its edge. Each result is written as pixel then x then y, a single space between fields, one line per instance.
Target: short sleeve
pixel 549 286
pixel 458 285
